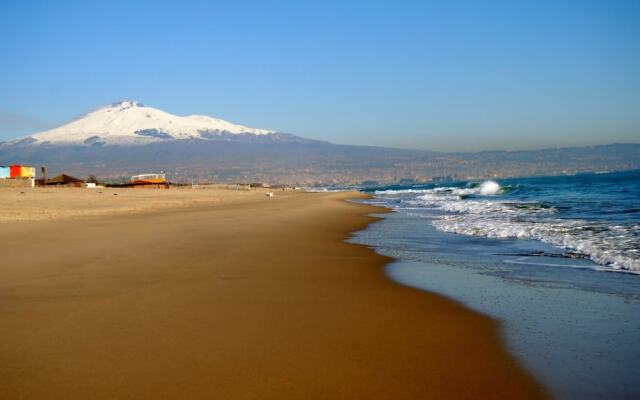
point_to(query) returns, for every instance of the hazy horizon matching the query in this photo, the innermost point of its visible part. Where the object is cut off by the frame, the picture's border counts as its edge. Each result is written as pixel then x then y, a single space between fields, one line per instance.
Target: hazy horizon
pixel 460 76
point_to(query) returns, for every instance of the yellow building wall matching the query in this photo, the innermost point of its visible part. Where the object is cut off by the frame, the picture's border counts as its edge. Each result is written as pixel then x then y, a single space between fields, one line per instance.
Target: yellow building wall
pixel 27 172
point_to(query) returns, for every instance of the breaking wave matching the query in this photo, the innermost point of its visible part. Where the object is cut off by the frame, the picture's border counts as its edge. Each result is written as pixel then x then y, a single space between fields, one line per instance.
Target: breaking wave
pixel 482 210
pixel 489 188
pixel 614 247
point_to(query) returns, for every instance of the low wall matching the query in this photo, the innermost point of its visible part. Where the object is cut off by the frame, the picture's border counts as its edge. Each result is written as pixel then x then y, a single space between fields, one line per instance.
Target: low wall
pixel 17 183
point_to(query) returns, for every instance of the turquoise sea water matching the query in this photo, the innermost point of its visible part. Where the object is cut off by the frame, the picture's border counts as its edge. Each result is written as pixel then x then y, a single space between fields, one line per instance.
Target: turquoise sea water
pixel 555 259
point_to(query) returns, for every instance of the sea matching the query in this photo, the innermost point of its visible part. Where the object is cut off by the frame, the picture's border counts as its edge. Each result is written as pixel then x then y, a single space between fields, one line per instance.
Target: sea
pixel 556 260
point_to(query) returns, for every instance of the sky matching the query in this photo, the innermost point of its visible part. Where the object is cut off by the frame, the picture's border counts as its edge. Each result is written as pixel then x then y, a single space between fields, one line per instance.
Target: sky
pixel 436 75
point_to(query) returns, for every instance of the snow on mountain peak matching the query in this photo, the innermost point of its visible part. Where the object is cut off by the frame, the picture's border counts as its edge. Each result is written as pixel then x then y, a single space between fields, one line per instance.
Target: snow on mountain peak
pixel 131 122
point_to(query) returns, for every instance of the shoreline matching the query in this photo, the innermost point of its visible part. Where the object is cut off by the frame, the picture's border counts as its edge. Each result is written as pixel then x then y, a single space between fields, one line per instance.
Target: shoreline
pixel 252 299
pixel 557 327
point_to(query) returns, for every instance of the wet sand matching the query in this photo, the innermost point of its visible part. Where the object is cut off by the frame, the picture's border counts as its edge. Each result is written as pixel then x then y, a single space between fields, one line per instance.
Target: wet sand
pixel 249 298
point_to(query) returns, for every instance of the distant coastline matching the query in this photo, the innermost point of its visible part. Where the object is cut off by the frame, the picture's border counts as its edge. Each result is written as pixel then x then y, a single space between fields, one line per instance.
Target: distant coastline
pixel 284 160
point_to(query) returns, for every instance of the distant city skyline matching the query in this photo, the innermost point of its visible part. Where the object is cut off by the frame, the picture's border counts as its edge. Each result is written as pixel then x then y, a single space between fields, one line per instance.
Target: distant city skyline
pixel 459 76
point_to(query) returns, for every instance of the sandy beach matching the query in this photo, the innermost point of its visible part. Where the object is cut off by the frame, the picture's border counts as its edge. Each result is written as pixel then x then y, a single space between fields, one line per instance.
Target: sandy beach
pixel 52 203
pixel 227 295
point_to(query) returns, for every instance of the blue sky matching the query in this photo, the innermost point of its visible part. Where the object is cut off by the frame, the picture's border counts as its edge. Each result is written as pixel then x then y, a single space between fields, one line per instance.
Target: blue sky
pixel 458 75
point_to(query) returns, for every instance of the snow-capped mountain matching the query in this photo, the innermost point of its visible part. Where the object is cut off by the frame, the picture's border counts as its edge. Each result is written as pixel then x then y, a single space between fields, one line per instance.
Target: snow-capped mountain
pixel 130 122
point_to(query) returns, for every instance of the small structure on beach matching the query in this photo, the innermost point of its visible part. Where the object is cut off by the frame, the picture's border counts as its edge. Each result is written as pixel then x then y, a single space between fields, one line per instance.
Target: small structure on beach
pixel 17 176
pixel 152 181
pixel 144 181
pixel 62 180
pixel 17 171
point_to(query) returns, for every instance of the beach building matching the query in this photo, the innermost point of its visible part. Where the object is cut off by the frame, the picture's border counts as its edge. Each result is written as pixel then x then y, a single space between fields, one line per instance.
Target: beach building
pixel 17 176
pixel 149 181
pixel 63 180
pixel 143 181
pixel 17 171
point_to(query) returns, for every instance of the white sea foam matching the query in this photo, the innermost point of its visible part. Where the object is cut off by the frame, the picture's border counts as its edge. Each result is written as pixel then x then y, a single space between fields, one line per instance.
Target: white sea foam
pixel 479 211
pixel 403 191
pixel 613 248
pixel 489 188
